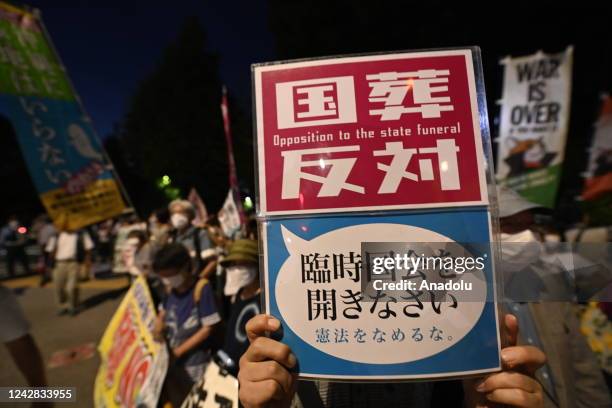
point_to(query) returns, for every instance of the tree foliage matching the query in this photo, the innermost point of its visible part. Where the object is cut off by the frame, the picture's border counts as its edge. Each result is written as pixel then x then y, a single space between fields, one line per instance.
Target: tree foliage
pixel 174 126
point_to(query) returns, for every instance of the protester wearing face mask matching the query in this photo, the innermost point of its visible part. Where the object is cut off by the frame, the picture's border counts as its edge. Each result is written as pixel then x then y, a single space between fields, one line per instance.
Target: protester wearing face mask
pixel 534 290
pixel 186 320
pixel 242 286
pixel 196 240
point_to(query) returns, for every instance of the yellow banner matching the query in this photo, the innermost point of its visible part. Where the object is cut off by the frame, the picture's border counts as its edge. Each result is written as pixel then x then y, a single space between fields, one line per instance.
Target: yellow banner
pixel 133 365
pixel 13 9
pixel 101 200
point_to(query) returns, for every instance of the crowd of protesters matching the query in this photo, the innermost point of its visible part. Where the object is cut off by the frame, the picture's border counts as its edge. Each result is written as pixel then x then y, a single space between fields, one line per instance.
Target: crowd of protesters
pixel 205 285
pixel 206 288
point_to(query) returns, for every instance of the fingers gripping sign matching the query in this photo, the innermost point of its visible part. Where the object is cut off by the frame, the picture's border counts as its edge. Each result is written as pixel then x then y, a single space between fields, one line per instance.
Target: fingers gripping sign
pixel 515 385
pixel 265 375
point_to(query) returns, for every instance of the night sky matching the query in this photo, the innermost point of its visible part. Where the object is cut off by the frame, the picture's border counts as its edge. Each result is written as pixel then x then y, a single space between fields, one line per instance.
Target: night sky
pixel 109 46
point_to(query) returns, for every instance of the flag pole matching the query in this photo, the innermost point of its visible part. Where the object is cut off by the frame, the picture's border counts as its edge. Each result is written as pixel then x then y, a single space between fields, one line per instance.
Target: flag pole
pixel 233 177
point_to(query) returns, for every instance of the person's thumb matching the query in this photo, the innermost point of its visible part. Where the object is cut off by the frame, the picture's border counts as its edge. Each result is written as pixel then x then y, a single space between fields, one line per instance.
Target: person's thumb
pixel 512 330
pixel 261 324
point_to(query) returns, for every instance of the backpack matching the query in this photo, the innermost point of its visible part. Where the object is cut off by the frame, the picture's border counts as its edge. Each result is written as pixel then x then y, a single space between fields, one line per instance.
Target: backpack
pixel 197 291
pixel 199 265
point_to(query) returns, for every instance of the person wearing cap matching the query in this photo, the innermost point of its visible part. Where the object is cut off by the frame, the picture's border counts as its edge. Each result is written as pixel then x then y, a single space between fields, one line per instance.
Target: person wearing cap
pixel 534 291
pixel 242 285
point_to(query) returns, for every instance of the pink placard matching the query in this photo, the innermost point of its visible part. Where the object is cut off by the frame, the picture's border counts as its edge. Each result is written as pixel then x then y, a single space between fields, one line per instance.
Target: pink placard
pixel 381 132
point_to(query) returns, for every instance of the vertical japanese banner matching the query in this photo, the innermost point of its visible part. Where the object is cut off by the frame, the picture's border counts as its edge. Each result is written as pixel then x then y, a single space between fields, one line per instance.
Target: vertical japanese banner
pixel 378 158
pixel 67 163
pixel 534 121
pixel 133 365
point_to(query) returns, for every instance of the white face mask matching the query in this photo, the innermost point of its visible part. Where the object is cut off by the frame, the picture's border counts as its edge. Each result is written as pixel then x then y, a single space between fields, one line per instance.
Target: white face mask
pixel 237 277
pixel 179 221
pixel 173 281
pixel 519 250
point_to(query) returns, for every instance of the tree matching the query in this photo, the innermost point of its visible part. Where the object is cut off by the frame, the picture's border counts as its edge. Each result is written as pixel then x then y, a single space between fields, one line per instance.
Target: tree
pixel 173 126
pixel 143 195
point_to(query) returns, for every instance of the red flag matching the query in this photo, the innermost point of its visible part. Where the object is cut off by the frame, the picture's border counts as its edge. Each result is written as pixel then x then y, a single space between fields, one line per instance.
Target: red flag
pixel 233 178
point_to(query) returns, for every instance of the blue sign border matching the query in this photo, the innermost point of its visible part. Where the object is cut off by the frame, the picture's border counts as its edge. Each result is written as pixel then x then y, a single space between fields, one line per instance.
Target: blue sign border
pixel 478 351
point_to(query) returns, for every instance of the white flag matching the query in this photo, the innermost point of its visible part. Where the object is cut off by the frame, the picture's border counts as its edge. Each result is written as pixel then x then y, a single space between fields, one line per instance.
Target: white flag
pixel 229 218
pixel 534 122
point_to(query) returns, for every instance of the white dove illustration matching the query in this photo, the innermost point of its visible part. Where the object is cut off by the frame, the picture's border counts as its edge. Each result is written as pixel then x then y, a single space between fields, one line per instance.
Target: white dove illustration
pixel 79 139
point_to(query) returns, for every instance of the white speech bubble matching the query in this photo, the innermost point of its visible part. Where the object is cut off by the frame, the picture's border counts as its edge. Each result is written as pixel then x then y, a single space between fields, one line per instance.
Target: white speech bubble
pixel 292 299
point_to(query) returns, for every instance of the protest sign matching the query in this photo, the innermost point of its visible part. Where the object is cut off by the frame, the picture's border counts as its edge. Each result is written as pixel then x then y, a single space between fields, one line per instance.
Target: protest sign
pixel 314 285
pixel 599 171
pixel 404 138
pixel 354 110
pixel 216 389
pixel 133 365
pixel 229 215
pixel 533 126
pixel 596 197
pixel 76 182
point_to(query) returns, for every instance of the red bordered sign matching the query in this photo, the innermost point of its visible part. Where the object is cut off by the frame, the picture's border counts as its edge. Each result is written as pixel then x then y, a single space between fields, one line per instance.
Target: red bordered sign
pixel 381 132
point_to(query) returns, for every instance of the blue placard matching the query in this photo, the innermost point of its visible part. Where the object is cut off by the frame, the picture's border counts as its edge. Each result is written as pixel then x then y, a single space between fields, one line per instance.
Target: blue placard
pixel 56 138
pixel 306 259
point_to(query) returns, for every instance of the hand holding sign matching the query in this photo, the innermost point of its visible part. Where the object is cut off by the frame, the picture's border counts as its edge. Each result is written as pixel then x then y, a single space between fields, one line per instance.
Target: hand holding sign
pixel 401 137
pixel 515 385
pixel 264 375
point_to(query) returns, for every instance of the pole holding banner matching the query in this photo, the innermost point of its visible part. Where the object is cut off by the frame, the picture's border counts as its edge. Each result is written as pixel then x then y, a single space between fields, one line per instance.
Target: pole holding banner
pixel 233 176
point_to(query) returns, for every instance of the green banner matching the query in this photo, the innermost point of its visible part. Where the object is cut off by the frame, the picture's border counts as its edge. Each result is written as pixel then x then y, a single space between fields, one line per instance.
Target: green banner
pixel 75 180
pixel 28 65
